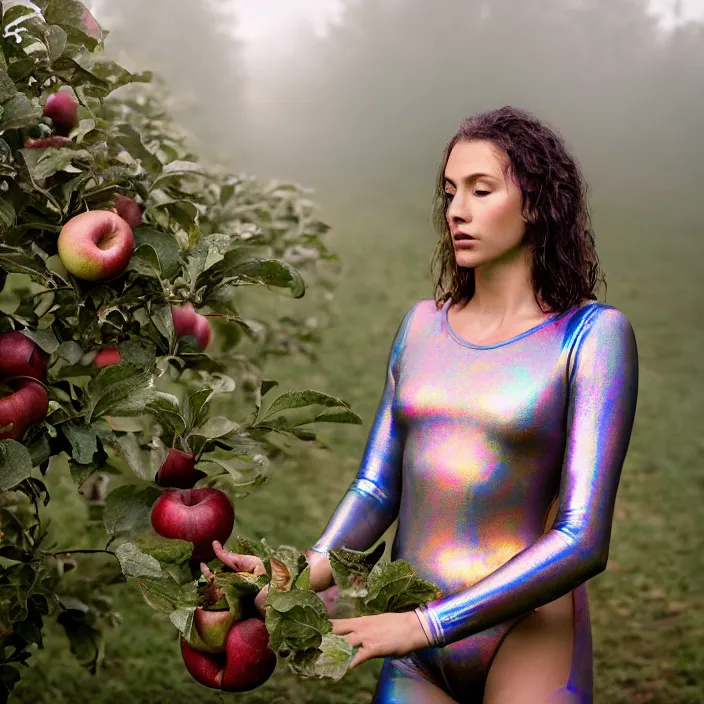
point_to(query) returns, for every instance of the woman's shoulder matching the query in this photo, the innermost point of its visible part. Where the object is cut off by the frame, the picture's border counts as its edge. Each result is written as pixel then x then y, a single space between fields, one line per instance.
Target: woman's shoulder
pixel 416 319
pixel 600 324
pixel 422 311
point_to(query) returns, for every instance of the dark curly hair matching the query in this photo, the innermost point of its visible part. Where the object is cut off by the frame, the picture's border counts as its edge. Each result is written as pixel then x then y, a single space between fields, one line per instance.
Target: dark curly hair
pixel 565 267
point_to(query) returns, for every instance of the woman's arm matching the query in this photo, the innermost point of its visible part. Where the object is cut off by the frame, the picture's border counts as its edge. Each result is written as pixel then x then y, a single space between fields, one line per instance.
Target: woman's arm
pixel 371 503
pixel 603 392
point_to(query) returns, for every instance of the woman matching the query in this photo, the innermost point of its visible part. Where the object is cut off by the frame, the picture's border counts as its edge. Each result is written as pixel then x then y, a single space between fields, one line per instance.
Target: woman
pixel 512 392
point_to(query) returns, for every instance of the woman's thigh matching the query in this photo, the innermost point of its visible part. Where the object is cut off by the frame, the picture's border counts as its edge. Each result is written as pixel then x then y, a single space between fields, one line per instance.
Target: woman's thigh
pixel 401 682
pixel 546 657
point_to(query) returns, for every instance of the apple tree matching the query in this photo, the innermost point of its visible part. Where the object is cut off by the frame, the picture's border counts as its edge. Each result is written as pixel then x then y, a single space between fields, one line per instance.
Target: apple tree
pixel 125 354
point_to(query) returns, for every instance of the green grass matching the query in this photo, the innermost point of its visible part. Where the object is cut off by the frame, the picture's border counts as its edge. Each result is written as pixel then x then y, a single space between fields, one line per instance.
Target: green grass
pixel 646 609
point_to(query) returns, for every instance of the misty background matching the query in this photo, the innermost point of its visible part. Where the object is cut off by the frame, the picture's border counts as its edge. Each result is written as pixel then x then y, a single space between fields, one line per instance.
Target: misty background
pixel 360 108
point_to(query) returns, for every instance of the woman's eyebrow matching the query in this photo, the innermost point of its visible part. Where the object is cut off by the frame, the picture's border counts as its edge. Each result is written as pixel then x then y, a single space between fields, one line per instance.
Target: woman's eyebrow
pixel 468 178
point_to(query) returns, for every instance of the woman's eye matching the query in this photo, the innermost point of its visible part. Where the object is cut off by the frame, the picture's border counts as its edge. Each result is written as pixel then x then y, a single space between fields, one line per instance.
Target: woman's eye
pixel 448 195
pixel 482 193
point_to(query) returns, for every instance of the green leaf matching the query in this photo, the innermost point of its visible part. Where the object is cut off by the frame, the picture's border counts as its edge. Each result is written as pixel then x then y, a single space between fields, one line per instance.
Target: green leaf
pixel 166 595
pixel 207 252
pixel 19 112
pixel 85 127
pixel 119 390
pixel 267 385
pixel 131 140
pixel 236 586
pixel 136 563
pixel 394 586
pixel 15 261
pixel 55 39
pixel 72 15
pixel 70 351
pixel 40 450
pixel 335 658
pixel 167 410
pixel 216 427
pixel 165 247
pixel 145 262
pixel 46 339
pixel 54 160
pixel 86 641
pixel 9 676
pixel 138 353
pixel 270 272
pixel 164 322
pixel 137 458
pixel 351 568
pixel 296 620
pixel 197 407
pixel 8 217
pixel 165 550
pixel 296 408
pixel 83 441
pixel 177 169
pixel 15 464
pixel 128 509
pixel 7 86
pixel 183 620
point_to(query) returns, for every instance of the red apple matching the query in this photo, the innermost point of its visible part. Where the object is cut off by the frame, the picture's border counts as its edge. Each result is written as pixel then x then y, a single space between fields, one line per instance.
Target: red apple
pixel 96 245
pixel 62 108
pixel 202 331
pixel 178 470
pixel 206 668
pixel 44 142
pixel 19 356
pixel 250 663
pixel 210 628
pixel 197 515
pixel 247 663
pixel 28 404
pixel 107 357
pixel 128 209
pixel 188 322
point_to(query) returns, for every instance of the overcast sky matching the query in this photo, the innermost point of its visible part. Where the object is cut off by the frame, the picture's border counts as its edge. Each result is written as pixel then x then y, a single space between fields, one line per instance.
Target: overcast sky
pixel 268 18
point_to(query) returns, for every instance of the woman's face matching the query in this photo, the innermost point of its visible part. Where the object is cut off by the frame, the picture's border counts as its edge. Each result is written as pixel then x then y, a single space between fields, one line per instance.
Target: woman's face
pixel 484 204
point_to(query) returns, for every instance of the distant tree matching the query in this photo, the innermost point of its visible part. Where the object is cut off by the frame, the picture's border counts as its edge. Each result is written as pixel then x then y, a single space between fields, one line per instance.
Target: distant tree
pixel 193 46
pixel 393 79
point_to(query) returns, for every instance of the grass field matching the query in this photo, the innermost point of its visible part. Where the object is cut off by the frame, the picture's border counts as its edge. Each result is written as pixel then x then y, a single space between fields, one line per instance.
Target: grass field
pixel 646 609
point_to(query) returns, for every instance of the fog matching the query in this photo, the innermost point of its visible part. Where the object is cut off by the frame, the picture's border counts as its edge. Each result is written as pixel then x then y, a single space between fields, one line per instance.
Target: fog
pixel 362 112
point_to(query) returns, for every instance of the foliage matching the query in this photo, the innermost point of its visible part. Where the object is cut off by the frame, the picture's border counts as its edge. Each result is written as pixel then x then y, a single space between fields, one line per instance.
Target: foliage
pixel 204 235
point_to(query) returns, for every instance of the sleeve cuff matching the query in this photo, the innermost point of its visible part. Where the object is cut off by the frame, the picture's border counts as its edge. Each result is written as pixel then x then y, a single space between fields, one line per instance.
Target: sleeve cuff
pixel 431 626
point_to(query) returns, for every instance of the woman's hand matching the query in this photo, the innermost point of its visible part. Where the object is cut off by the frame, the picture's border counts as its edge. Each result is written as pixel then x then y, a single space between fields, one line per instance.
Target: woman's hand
pixel 383 635
pixel 320 571
pixel 240 563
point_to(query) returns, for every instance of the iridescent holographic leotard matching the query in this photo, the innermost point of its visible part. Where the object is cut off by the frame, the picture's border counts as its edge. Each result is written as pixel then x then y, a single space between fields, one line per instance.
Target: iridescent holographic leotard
pixel 469 448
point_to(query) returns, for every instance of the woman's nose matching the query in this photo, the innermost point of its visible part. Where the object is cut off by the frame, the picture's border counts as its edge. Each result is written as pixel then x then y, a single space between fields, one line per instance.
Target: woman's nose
pixel 457 210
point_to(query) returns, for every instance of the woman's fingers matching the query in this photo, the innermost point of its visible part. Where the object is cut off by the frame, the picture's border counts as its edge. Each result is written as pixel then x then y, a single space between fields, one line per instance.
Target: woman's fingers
pixel 359 657
pixel 260 600
pixel 342 626
pixel 238 563
pixel 206 571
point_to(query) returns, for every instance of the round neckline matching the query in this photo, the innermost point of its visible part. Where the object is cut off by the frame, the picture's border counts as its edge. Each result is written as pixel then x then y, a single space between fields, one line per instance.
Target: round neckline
pixel 515 338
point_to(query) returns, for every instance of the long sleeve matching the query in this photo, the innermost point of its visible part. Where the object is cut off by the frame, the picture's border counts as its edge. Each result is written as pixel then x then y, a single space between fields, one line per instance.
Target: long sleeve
pixel 603 388
pixel 371 503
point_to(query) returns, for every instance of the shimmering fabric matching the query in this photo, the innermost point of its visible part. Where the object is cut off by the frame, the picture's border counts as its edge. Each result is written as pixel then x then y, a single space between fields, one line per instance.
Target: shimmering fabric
pixel 471 444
